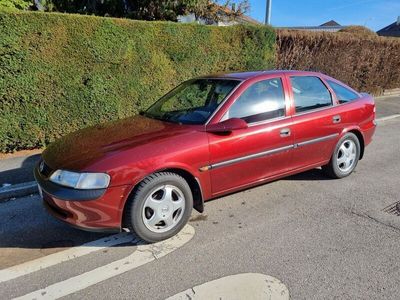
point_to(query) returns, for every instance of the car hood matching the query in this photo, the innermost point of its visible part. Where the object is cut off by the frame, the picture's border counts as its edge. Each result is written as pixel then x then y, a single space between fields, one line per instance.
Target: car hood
pixel 80 149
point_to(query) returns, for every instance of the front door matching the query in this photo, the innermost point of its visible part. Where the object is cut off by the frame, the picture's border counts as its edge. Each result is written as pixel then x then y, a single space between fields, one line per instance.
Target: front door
pixel 262 150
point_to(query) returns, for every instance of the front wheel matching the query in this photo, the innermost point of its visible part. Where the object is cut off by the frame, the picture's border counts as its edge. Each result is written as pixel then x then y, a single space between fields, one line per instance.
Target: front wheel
pixel 160 207
pixel 345 157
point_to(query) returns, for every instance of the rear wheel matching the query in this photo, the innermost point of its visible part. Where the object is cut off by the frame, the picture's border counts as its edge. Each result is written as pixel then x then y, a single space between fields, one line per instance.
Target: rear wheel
pixel 160 207
pixel 345 157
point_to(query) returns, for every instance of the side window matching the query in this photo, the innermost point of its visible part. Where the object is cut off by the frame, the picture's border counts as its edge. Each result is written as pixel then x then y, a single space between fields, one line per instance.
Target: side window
pixel 262 101
pixel 343 94
pixel 309 93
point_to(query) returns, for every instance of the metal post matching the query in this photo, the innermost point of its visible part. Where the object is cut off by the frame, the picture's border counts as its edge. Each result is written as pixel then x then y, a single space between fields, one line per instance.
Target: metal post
pixel 268 12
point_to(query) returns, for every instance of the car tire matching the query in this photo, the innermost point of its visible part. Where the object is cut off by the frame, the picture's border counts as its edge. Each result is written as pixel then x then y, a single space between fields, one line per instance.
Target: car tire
pixel 344 158
pixel 160 207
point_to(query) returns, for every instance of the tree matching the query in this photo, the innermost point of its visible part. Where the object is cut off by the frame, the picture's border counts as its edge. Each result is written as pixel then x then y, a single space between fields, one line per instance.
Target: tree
pixel 211 10
pixel 15 4
pixel 170 10
pixel 143 9
pixel 156 9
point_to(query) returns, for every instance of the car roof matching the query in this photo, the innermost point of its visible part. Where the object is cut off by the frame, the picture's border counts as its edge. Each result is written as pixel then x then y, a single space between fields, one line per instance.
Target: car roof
pixel 254 74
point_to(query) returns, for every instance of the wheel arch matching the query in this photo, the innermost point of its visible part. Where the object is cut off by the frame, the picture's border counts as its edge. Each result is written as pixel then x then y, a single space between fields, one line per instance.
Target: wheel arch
pixel 193 181
pixel 195 186
pixel 357 132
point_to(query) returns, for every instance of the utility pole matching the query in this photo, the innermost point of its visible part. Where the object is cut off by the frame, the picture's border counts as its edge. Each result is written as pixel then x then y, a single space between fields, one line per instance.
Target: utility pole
pixel 268 12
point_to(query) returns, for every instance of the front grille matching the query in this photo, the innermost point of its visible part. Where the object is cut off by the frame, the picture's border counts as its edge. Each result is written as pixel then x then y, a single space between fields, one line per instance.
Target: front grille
pixel 44 169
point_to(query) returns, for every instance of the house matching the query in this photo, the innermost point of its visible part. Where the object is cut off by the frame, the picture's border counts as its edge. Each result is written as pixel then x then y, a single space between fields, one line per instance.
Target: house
pixel 391 30
pixel 331 26
pixel 224 18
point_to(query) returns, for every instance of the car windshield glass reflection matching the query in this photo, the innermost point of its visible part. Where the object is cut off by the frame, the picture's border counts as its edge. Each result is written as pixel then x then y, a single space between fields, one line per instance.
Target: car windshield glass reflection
pixel 193 102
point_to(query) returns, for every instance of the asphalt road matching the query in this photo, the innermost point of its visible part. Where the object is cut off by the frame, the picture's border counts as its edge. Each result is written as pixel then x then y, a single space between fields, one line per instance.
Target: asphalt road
pixel 322 238
pixel 19 169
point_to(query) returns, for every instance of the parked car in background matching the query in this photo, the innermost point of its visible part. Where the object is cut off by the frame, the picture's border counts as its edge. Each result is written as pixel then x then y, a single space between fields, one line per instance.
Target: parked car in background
pixel 208 137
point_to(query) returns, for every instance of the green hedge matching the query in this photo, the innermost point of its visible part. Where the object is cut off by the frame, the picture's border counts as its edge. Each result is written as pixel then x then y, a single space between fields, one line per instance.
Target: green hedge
pixel 61 72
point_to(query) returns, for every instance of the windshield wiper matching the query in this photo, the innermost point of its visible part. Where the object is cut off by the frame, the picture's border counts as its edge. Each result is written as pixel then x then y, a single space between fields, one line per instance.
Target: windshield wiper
pixel 147 115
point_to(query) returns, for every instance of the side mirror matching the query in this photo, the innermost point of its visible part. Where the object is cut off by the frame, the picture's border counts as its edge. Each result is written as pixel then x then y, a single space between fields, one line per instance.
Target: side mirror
pixel 227 126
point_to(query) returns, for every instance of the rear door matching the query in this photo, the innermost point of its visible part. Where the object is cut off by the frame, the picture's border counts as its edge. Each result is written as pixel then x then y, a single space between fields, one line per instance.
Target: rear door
pixel 263 149
pixel 317 122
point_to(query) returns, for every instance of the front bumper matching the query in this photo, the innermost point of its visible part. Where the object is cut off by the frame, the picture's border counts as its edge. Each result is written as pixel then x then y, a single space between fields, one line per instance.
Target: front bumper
pixel 93 210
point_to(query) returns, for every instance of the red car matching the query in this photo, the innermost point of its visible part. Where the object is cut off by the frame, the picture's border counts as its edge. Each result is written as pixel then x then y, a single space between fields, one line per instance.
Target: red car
pixel 208 137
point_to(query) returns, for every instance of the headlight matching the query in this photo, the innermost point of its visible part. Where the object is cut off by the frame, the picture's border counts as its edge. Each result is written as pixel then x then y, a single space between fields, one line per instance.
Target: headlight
pixel 84 181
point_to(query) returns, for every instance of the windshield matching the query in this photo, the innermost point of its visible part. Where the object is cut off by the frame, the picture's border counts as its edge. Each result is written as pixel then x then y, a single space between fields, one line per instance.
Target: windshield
pixel 193 102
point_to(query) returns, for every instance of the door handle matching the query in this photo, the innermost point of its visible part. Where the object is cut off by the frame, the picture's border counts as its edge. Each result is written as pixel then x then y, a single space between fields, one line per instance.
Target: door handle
pixel 336 119
pixel 285 132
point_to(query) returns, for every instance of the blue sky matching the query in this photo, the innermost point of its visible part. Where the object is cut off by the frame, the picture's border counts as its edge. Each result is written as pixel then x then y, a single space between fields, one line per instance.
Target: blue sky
pixel 374 14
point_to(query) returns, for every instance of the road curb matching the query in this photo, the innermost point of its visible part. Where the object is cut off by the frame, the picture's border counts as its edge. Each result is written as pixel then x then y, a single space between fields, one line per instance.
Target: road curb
pixel 18 190
pixel 383 97
pixel 390 93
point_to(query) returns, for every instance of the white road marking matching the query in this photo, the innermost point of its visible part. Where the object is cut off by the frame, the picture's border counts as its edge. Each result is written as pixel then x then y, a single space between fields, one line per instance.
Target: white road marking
pixel 388 118
pixel 241 286
pixel 142 255
pixel 63 256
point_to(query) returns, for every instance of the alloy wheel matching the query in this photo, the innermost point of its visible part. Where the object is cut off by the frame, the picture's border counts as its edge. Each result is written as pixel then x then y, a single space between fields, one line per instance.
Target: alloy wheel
pixel 163 208
pixel 346 155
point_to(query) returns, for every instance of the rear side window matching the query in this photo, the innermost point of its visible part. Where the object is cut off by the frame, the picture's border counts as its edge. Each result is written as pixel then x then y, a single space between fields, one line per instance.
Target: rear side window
pixel 343 94
pixel 264 100
pixel 309 93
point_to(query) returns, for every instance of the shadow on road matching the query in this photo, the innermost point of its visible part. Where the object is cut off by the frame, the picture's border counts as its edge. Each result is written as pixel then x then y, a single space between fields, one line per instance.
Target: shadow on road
pixel 24 223
pixel 18 170
pixel 311 175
